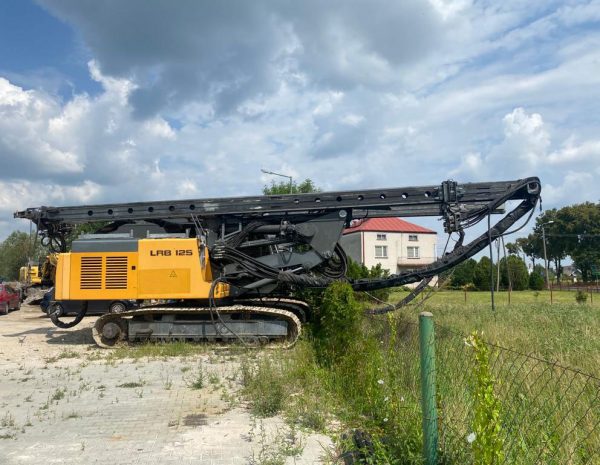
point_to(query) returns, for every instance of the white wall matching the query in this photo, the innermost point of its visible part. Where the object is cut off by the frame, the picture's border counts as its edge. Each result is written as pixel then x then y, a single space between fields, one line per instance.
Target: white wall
pixel 397 254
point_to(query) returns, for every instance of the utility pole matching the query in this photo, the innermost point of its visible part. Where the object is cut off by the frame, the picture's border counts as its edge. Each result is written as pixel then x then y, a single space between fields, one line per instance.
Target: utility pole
pixel 545 255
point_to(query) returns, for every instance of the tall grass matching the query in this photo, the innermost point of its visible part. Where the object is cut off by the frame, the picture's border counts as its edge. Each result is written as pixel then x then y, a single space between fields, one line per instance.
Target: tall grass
pixel 565 331
pixel 368 378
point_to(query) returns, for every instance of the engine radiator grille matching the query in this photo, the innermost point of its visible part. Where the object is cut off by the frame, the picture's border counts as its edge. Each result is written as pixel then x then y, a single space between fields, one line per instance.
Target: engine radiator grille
pixel 91 273
pixel 116 272
pixel 114 269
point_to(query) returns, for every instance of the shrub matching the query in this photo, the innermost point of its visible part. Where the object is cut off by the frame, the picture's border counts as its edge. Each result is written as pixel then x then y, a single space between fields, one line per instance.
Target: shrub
pixel 536 281
pixel 463 274
pixel 338 322
pixel 581 297
pixel 360 271
pixel 486 438
pixel 513 270
pixel 481 275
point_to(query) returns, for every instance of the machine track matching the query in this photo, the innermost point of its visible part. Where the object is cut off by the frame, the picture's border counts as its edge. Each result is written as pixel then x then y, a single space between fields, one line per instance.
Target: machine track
pixel 254 325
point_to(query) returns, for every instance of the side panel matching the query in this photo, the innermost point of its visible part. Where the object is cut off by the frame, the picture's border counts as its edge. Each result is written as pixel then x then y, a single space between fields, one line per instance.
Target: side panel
pixel 173 269
pixel 101 276
pixel 63 277
pixel 160 269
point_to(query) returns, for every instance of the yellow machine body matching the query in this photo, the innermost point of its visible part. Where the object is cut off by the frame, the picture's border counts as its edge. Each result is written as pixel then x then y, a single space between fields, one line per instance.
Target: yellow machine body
pixel 169 268
pixel 30 274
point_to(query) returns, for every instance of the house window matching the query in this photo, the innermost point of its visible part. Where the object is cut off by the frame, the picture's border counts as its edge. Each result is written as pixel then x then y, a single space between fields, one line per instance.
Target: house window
pixel 381 251
pixel 413 237
pixel 381 237
pixel 412 252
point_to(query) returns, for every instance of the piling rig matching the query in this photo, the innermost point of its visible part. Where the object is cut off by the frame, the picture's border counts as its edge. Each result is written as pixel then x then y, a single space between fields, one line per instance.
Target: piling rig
pixel 226 268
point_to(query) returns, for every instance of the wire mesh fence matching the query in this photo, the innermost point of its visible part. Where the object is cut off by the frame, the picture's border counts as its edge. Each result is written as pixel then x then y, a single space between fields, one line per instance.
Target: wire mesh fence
pixel 544 413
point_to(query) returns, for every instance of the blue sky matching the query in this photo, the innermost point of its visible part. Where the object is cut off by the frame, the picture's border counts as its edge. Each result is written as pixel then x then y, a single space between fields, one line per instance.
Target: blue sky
pixel 39 50
pixel 132 100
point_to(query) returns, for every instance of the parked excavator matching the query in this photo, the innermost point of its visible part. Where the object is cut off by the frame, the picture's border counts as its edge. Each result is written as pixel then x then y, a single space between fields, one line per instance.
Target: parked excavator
pixel 225 269
pixel 35 279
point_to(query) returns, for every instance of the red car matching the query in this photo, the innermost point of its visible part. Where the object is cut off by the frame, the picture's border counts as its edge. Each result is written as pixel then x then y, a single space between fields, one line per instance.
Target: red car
pixel 9 299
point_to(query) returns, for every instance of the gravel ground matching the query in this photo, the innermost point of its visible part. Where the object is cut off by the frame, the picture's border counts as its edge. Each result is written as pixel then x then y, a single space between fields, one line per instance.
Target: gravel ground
pixel 62 401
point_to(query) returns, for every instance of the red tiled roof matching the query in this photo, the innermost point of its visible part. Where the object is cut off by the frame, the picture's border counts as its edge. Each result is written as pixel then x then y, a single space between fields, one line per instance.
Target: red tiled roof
pixel 387 225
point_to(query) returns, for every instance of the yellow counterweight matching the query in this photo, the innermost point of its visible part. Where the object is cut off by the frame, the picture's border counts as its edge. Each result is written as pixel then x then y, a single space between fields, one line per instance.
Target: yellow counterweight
pixel 169 268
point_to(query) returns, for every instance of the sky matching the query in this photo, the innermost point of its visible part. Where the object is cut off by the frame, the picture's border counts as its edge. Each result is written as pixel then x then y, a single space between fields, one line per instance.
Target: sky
pixel 119 101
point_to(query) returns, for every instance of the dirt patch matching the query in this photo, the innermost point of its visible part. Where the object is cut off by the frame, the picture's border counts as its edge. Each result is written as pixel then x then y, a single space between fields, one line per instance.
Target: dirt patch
pixel 196 419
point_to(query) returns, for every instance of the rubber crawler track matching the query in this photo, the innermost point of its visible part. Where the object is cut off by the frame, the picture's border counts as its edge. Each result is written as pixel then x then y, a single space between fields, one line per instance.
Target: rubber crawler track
pixel 295 326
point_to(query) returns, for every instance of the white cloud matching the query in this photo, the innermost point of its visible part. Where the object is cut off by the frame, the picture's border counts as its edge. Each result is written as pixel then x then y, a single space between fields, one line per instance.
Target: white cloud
pixel 525 137
pixel 586 153
pixel 360 95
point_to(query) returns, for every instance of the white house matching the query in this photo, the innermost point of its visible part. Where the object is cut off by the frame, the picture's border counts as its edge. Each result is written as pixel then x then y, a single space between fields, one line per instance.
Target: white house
pixel 395 243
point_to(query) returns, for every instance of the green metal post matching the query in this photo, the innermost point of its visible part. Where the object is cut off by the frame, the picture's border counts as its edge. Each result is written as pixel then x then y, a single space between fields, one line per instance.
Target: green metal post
pixel 428 404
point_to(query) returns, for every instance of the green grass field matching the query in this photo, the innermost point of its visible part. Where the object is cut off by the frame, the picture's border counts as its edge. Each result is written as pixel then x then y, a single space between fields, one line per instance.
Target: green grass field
pixel 564 331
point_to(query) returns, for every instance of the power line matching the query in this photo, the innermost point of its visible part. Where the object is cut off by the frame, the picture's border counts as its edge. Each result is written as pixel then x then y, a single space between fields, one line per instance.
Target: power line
pixel 572 235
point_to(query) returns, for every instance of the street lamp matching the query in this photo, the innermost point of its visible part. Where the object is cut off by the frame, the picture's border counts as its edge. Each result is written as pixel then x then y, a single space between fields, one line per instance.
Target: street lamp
pixel 545 256
pixel 279 174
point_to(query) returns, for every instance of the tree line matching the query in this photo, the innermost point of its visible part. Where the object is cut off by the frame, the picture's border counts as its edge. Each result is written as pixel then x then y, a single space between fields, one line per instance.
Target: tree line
pixel 571 231
pixel 20 248
pixel 510 273
pixel 15 251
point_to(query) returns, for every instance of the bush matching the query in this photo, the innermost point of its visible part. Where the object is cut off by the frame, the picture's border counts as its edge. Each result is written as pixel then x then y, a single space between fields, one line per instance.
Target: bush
pixel 463 274
pixel 360 271
pixel 536 281
pixel 581 297
pixel 514 268
pixel 338 322
pixel 481 275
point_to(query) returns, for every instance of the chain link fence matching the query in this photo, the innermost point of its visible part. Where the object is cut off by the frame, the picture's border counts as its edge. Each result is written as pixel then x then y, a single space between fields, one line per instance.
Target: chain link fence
pixel 546 413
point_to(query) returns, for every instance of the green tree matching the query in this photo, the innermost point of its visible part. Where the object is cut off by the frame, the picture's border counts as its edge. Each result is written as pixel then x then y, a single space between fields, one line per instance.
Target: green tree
pixel 531 246
pixel 580 230
pixel 557 243
pixel 513 273
pixel 277 188
pixel 513 248
pixel 536 280
pixel 481 276
pixel 15 251
pixel 463 274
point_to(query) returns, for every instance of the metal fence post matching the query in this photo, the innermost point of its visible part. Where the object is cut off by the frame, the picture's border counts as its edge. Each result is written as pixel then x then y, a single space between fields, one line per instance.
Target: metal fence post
pixel 428 404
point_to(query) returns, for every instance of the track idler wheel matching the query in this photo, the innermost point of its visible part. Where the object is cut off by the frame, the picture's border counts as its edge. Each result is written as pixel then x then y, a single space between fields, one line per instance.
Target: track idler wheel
pixel 109 330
